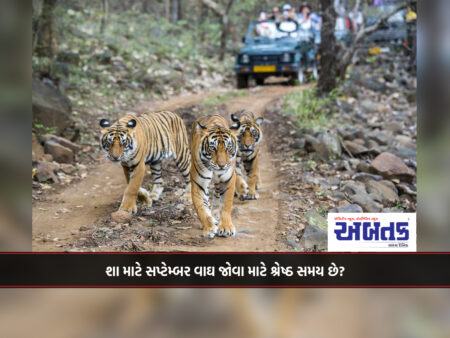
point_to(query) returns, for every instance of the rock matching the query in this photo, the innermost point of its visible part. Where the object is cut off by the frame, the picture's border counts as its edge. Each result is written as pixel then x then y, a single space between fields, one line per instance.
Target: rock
pixel 47 158
pixel 50 107
pixel 379 137
pixel 36 148
pixel 292 243
pixel 310 143
pixel 337 195
pixel 356 134
pixel 354 188
pixel 68 168
pixel 371 84
pixel 121 216
pixel 328 145
pixel 369 107
pixel 405 153
pixel 347 208
pixel 60 153
pixel 402 141
pixel 314 237
pixel 407 188
pixel 366 202
pixel 364 177
pixel 298 144
pixel 395 127
pixel 390 166
pixel 386 189
pixel 45 172
pixel 363 167
pixel 62 141
pixel 358 195
pixel 354 148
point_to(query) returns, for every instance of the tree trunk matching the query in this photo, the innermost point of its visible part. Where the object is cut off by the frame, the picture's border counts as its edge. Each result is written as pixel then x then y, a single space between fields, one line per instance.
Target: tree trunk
pixel 46 44
pixel 328 61
pixel 167 9
pixel 105 9
pixel 175 11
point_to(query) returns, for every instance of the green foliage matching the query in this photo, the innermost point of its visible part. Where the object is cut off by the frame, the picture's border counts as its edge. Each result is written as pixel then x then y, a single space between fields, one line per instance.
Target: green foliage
pixel 42 130
pixel 311 111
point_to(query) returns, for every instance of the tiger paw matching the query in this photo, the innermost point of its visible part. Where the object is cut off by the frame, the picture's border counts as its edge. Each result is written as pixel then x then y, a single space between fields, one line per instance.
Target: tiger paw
pixel 242 197
pixel 254 196
pixel 156 192
pixel 144 197
pixel 210 229
pixel 128 207
pixel 226 228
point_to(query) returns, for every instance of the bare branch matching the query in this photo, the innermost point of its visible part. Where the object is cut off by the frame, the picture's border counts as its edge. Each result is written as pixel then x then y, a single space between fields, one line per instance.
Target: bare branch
pixel 367 30
pixel 350 51
pixel 215 7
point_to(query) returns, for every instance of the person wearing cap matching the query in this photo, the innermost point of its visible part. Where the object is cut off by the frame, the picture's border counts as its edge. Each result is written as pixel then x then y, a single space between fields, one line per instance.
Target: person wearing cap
pixel 289 13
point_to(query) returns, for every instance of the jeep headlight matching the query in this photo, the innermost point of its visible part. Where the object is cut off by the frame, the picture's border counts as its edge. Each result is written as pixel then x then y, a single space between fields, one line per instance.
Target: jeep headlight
pixel 245 58
pixel 286 57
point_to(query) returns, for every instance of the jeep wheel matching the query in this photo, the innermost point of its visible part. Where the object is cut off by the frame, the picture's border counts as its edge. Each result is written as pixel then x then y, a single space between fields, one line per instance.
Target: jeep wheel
pixel 242 81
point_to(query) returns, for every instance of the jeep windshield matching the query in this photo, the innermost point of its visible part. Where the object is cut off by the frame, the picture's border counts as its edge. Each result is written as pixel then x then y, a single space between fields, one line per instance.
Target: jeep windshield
pixel 268 31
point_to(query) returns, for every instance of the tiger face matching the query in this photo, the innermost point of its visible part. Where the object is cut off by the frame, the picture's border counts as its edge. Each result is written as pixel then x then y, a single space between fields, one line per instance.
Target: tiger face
pixel 117 140
pixel 249 135
pixel 219 147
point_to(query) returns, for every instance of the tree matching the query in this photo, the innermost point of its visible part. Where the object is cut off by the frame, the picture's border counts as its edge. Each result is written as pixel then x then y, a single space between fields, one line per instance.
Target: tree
pixel 46 39
pixel 224 15
pixel 336 57
pixel 327 77
pixel 105 8
pixel 346 53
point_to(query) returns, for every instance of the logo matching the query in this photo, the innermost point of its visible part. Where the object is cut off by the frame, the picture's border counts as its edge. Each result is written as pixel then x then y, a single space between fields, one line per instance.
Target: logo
pixel 359 232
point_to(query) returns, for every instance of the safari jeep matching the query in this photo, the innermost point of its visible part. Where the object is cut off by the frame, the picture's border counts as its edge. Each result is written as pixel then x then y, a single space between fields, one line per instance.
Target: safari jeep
pixel 270 50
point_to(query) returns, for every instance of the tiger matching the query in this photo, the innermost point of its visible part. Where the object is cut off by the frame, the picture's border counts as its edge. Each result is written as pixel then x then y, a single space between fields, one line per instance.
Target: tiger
pixel 213 150
pixel 249 139
pixel 148 138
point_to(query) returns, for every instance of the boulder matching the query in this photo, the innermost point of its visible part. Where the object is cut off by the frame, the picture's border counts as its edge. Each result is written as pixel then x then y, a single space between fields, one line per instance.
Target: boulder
pixel 314 237
pixel 390 166
pixel 50 107
pixel 369 107
pixel 60 153
pixel 385 189
pixel 354 148
pixel 366 202
pixel 347 208
pixel 36 148
pixel 327 145
pixel 62 141
pixel 45 172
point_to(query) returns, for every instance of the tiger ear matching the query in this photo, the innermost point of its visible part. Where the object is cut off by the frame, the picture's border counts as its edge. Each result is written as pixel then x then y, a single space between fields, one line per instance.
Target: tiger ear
pixel 131 123
pixel 201 128
pixel 104 123
pixel 259 121
pixel 234 118
pixel 235 127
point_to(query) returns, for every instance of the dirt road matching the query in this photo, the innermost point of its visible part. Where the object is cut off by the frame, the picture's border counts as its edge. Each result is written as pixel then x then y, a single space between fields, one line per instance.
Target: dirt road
pixel 71 218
